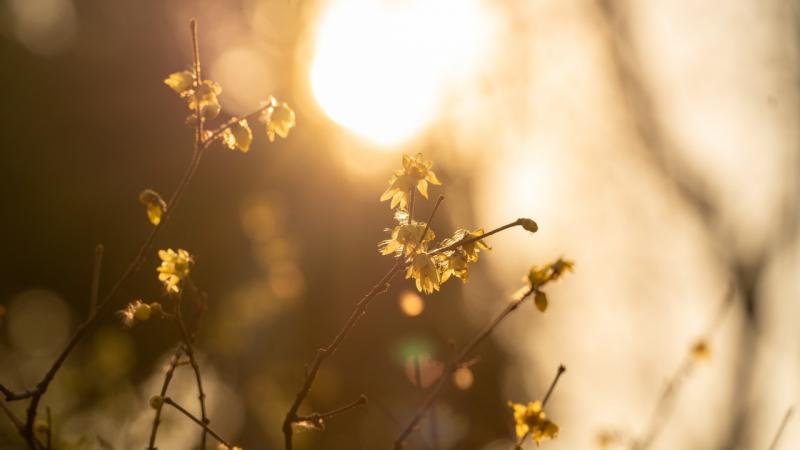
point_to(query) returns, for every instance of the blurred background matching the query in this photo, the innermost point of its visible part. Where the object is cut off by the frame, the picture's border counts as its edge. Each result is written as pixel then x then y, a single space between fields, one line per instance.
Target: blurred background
pixel 656 144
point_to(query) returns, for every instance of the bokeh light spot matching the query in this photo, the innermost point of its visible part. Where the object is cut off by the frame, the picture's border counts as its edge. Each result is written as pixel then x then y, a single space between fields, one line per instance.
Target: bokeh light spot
pixel 463 378
pixel 411 303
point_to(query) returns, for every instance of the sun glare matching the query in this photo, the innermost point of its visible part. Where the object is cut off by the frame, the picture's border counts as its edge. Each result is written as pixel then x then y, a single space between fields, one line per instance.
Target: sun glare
pixel 382 68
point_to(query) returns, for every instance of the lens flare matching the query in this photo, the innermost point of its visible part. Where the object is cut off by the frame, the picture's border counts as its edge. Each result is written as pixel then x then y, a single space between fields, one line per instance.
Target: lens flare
pixel 383 69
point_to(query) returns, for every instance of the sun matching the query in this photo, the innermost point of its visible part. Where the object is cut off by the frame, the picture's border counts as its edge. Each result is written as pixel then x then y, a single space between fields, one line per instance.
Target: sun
pixel 382 69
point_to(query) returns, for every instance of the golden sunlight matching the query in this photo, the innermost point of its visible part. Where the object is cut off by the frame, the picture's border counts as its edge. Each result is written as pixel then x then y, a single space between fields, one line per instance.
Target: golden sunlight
pixel 383 69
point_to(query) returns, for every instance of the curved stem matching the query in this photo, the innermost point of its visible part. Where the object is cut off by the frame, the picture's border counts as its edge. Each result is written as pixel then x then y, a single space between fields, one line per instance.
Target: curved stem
pixel 194 419
pixel 324 353
pixel 454 364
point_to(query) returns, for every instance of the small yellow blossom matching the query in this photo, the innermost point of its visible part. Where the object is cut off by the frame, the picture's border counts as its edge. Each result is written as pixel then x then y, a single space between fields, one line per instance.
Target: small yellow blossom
pixel 174 268
pixel 225 447
pixel 424 271
pixel 541 275
pixel 455 264
pixel 205 99
pixel 531 420
pixel 701 351
pixel 471 249
pixel 181 82
pixel 407 238
pixel 202 98
pixel 238 136
pixel 416 173
pixel 133 312
pixel 279 118
pixel 156 206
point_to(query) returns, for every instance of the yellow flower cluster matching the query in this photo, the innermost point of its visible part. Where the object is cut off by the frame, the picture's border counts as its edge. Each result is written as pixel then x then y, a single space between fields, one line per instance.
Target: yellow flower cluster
pixel 277 117
pixel 174 268
pixel 200 98
pixel 531 420
pixel 428 268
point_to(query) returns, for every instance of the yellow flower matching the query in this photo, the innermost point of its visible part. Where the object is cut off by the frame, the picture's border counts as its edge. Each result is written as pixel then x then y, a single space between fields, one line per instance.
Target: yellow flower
pixel 407 236
pixel 202 98
pixel 471 249
pixel 416 173
pixel 225 447
pixel 238 136
pixel 424 271
pixel 279 118
pixel 455 264
pixel 181 82
pixel 156 207
pixel 174 268
pixel 541 275
pixel 205 99
pixel 531 419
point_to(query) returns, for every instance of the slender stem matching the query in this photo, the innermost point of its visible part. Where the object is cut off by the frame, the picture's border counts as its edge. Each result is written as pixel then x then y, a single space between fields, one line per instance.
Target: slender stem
pixel 320 417
pixel 194 419
pixel 201 395
pixel 323 353
pixel 233 120
pixel 470 240
pixel 781 427
pixel 453 365
pixel 662 409
pixel 561 370
pixel 95 286
pixel 173 363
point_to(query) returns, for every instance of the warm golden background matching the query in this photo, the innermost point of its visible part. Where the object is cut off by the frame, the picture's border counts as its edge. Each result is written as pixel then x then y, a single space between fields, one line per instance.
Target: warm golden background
pixel 656 144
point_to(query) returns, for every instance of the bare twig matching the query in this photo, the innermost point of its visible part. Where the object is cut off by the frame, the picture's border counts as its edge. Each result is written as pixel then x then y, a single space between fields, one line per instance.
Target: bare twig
pixel 194 419
pixel 465 241
pixel 664 403
pixel 173 363
pixel 319 418
pixel 561 370
pixel 455 363
pixel 781 427
pixel 323 353
pixel 189 350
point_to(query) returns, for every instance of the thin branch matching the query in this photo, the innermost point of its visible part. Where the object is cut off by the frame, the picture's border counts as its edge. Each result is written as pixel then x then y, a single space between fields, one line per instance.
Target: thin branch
pixel 232 121
pixel 173 363
pixel 319 418
pixel 561 370
pixel 455 363
pixel 201 395
pixel 519 222
pixel 781 427
pixel 323 353
pixel 194 419
pixel 662 409
pixel 95 286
